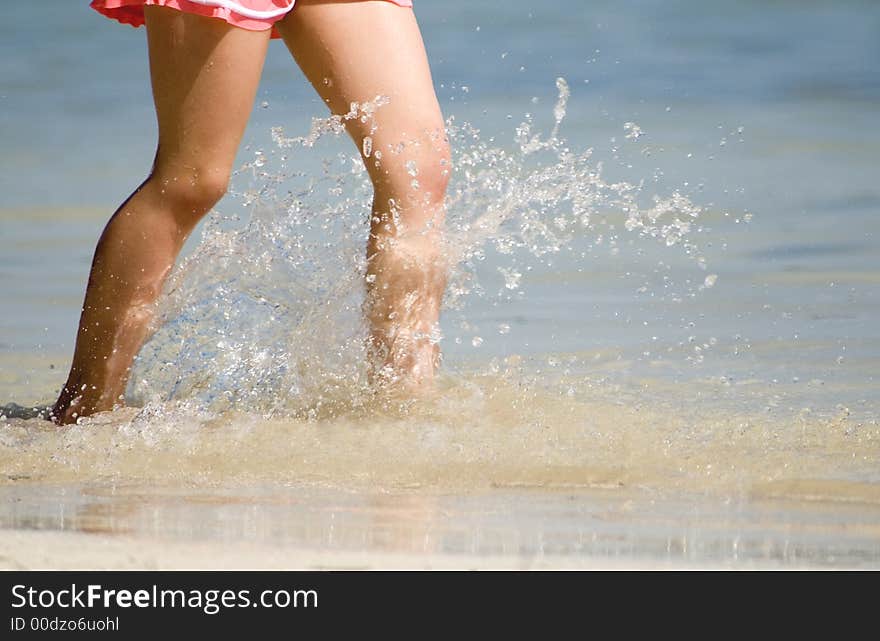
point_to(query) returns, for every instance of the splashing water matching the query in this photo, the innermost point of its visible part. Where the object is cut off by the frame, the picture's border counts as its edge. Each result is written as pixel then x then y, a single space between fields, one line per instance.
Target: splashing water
pixel 266 317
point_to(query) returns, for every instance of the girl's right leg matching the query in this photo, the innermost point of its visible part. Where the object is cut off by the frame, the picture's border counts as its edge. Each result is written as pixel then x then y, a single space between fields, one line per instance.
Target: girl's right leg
pixel 354 52
pixel 205 74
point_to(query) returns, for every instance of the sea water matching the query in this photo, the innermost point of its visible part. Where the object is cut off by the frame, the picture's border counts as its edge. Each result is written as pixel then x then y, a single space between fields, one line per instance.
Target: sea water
pixel 664 292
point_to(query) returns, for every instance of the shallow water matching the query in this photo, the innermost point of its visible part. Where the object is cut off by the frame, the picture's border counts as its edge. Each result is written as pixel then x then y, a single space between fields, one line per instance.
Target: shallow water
pixel 305 527
pixel 733 367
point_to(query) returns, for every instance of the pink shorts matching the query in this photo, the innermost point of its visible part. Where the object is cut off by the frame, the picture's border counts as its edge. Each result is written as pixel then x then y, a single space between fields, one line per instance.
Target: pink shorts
pixel 255 15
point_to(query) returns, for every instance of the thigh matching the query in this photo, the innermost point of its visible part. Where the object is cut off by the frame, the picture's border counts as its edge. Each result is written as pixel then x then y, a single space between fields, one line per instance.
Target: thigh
pixel 205 75
pixel 356 51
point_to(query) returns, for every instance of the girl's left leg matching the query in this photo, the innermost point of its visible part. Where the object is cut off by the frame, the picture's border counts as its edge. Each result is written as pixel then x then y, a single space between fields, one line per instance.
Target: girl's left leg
pixel 354 52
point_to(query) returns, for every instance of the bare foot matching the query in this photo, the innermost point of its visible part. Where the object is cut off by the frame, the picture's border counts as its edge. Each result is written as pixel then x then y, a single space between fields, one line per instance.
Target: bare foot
pixel 68 408
pixel 75 402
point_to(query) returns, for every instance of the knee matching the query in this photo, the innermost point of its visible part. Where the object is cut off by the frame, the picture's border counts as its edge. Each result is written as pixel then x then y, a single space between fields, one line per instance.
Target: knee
pixel 189 194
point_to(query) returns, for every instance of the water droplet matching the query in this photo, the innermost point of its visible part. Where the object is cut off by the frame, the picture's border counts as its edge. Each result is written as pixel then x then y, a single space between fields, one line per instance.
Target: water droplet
pixel 511 277
pixel 559 109
pixel 633 131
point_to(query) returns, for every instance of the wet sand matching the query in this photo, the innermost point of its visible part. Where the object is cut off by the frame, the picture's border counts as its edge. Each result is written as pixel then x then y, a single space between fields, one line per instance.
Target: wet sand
pixel 303 527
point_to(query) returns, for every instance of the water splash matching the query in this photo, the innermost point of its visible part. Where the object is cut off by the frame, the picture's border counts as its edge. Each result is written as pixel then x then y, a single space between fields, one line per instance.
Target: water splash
pixel 265 315
pixel 500 430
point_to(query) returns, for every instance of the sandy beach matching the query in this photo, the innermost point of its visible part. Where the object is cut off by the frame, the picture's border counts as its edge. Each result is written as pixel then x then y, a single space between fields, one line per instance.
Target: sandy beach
pixel 311 527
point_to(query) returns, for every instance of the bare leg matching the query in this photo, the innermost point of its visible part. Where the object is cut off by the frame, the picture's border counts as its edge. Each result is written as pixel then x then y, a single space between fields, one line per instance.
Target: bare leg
pixel 205 75
pixel 354 52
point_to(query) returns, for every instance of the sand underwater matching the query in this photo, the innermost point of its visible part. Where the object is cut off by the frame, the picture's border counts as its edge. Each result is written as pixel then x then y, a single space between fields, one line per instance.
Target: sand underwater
pixel 660 340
